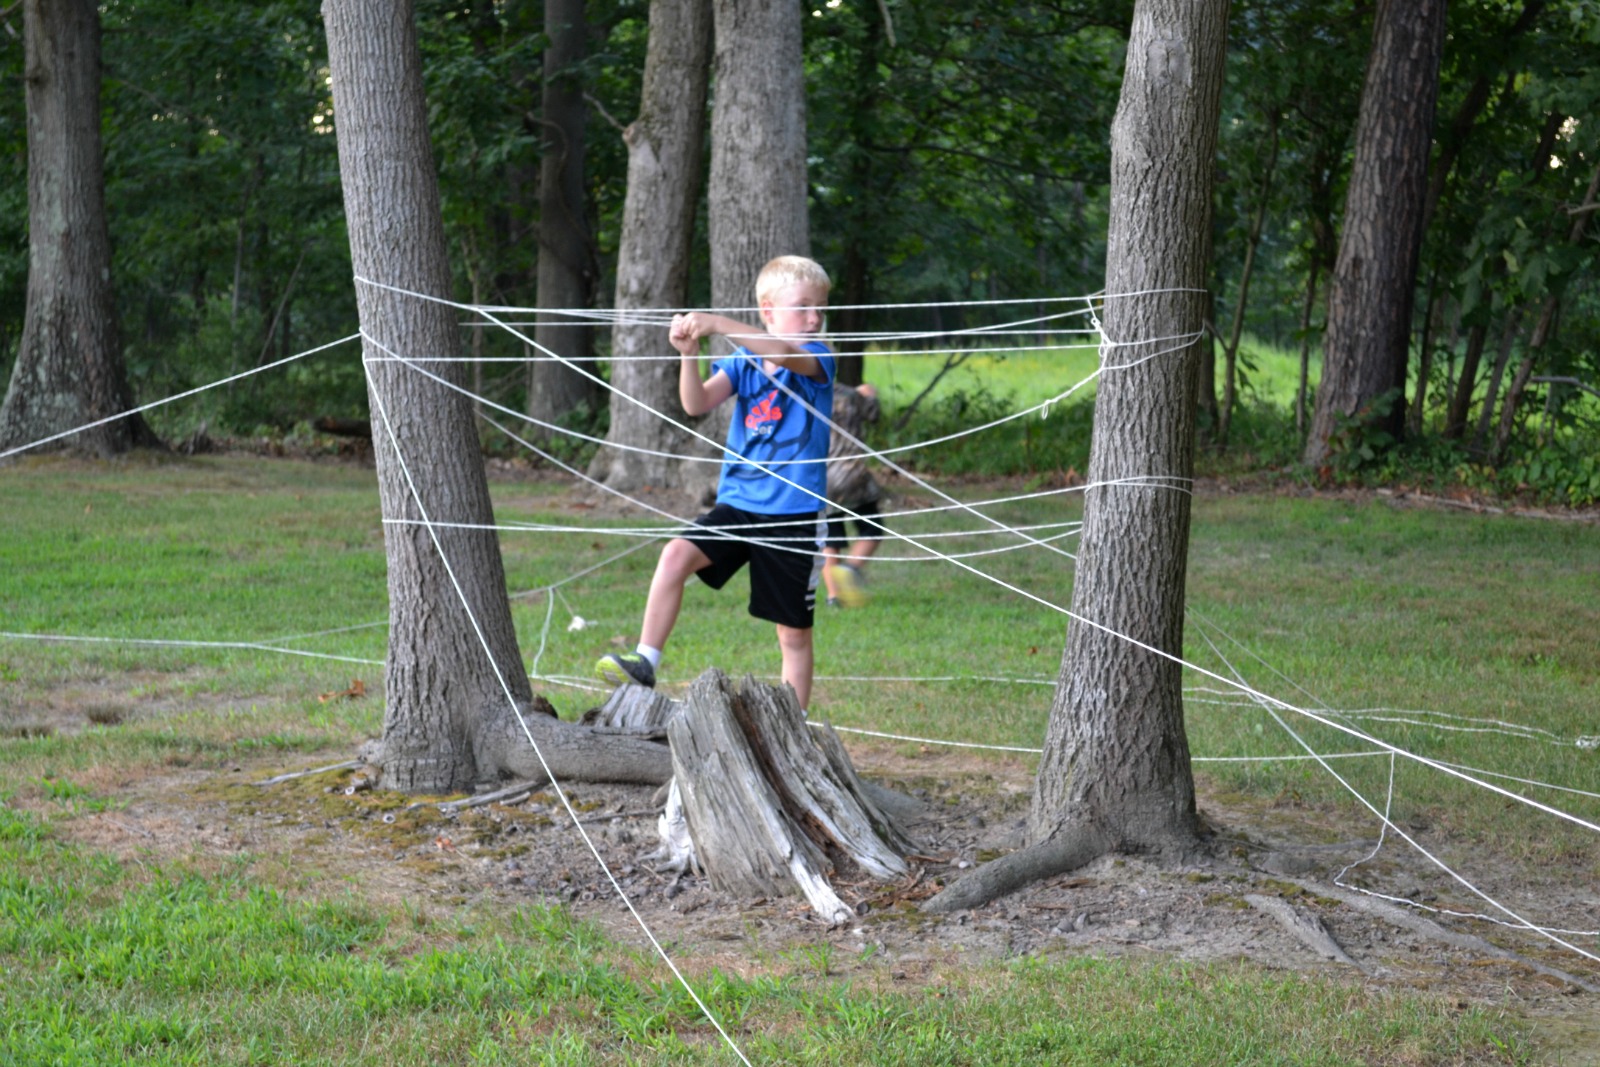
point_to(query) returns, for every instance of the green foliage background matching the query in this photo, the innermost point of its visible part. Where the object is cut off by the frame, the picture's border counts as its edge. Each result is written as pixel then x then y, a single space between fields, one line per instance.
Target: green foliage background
pixel 957 155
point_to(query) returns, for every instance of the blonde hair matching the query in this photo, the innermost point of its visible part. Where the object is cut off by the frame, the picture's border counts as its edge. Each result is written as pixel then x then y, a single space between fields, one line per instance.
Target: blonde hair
pixel 790 270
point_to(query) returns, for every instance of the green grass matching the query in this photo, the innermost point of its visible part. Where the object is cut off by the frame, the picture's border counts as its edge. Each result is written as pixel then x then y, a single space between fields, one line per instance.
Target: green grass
pixel 110 961
pixel 990 386
pixel 110 965
pixel 1031 376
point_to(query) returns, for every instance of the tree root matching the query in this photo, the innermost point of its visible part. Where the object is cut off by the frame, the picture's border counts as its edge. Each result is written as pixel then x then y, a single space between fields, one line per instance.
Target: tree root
pixel 1304 926
pixel 1427 927
pixel 571 752
pixel 1068 850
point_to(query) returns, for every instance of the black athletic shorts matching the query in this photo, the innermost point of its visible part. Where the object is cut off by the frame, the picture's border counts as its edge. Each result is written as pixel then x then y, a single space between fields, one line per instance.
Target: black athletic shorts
pixel 783 553
pixel 866 528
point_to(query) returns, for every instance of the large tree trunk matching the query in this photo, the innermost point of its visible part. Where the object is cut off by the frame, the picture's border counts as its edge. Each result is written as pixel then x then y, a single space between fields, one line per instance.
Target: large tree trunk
pixel 756 205
pixel 439 674
pixel 567 266
pixel 666 151
pixel 460 711
pixel 69 368
pixel 1115 774
pixel 1374 282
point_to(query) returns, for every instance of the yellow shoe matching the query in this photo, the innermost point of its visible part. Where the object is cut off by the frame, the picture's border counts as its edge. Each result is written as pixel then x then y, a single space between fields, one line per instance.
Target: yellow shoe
pixel 849 585
pixel 626 668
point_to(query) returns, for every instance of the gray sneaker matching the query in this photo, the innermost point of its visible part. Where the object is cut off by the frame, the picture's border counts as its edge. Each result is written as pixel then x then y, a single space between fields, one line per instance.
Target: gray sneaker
pixel 626 668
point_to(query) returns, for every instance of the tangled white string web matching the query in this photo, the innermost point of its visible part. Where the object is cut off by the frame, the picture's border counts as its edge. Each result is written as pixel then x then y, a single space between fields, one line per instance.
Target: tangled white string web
pixel 1168 345
pixel 923 550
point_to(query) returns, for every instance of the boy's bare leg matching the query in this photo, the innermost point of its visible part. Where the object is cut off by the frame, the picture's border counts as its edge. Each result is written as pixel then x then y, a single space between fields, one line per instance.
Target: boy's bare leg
pixel 679 560
pixel 795 644
pixel 862 551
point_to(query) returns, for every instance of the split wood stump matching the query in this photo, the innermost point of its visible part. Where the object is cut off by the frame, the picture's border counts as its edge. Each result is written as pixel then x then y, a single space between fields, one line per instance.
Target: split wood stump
pixel 772 802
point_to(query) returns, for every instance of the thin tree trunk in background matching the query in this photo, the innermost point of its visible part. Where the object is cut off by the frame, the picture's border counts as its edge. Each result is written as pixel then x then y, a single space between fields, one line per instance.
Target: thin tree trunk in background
pixel 1374 281
pixel 1491 394
pixel 1455 420
pixel 1543 331
pixel 1477 336
pixel 1452 342
pixel 1306 311
pixel 1236 328
pixel 1453 137
pixel 868 185
pixel 666 153
pixel 69 369
pixel 1419 399
pixel 567 270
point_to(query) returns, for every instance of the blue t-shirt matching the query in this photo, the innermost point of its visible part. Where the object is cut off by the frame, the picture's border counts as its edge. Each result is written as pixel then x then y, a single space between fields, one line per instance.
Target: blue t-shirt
pixel 771 428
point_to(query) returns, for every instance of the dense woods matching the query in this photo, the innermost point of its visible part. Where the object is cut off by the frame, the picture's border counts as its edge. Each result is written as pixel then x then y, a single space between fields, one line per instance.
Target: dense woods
pixel 952 154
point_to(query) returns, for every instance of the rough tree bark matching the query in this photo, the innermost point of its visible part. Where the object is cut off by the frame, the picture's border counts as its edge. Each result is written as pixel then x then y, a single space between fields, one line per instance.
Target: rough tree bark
pixel 1115 773
pixel 666 151
pixel 1374 281
pixel 448 725
pixel 757 194
pixel 567 268
pixel 69 368
pixel 757 206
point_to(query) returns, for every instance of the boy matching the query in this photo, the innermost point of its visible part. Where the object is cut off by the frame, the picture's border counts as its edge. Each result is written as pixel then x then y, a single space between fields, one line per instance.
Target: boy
pixel 769 432
pixel 853 489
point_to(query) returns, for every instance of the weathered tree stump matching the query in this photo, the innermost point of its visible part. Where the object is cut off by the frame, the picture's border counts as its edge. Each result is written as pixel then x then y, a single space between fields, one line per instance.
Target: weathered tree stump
pixel 773 804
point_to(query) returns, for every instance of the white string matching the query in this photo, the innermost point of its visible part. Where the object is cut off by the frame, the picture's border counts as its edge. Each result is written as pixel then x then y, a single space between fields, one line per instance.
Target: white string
pixel 1273 702
pixel 158 643
pixel 140 409
pixel 763 468
pixel 1107 346
pixel 866 452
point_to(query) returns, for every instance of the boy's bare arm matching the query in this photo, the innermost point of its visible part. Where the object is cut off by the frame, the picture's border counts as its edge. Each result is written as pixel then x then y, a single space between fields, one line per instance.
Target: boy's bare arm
pixel 699 395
